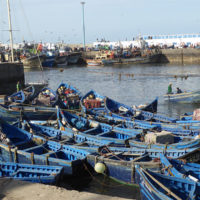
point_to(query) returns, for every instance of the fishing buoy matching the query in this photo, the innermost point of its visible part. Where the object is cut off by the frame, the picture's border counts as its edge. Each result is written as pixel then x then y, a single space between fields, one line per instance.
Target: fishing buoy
pixel 100 168
pixel 62 128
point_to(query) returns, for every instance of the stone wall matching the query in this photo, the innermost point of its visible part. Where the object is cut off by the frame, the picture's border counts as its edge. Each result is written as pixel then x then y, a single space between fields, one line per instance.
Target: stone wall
pixel 10 73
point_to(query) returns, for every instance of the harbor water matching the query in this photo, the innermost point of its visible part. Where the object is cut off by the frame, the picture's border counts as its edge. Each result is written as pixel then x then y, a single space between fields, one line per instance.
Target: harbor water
pixel 130 84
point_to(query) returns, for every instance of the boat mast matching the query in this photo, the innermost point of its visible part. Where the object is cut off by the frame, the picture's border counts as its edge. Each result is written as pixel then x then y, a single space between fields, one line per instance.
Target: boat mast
pixel 10 30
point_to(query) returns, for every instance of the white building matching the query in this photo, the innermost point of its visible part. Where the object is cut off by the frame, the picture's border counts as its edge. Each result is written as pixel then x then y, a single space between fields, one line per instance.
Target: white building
pixel 178 40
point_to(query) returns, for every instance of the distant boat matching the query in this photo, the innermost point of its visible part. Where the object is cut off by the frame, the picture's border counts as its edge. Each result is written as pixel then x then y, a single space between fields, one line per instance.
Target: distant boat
pixel 184 97
pixel 33 61
pixel 74 57
pixel 93 62
pixel 136 60
pixel 50 60
pixel 61 60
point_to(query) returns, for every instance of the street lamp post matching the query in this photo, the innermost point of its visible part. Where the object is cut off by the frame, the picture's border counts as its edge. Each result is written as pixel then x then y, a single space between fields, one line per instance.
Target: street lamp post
pixel 83 3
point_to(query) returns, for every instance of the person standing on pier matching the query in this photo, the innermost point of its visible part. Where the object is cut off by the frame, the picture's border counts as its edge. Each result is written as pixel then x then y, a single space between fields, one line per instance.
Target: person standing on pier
pixel 18 86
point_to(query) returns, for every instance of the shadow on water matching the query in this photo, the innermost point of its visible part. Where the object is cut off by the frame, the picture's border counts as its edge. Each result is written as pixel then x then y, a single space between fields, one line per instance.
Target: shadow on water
pixel 2 196
pixel 178 109
pixel 91 182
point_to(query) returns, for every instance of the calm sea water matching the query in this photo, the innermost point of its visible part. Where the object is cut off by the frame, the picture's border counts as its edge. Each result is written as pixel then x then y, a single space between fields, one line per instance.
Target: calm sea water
pixel 130 84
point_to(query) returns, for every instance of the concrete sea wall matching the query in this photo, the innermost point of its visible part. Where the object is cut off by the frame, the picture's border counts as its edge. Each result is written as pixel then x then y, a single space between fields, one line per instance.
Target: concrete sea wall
pixel 10 73
pixel 180 56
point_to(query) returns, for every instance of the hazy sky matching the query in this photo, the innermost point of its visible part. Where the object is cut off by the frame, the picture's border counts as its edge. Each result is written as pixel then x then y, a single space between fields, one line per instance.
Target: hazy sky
pixel 114 20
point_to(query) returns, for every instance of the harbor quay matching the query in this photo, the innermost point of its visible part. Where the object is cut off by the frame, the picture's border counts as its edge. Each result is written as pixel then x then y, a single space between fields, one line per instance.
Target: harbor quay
pixel 10 74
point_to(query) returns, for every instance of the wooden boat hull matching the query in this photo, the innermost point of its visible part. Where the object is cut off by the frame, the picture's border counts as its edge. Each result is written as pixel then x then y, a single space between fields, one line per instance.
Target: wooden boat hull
pixel 185 97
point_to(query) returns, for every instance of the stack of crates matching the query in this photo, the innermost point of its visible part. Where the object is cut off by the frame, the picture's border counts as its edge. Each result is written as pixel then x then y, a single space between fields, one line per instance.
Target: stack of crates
pixel 92 103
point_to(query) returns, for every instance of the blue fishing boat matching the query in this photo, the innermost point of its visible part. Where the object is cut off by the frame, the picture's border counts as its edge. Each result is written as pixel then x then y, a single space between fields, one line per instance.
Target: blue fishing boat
pixel 101 131
pixel 119 163
pixel 127 111
pixel 175 128
pixel 158 186
pixel 20 146
pixel 69 95
pixel 191 154
pixel 46 97
pixel 148 116
pixel 31 173
pixel 92 103
pixel 177 168
pixel 179 144
pixel 184 97
pixel 63 136
pixel 103 107
pixel 29 93
pixel 17 97
pixel 13 112
pixel 139 115
pixel 23 96
pixel 96 104
pixel 121 166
